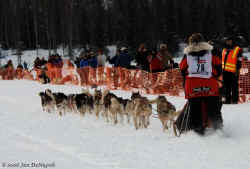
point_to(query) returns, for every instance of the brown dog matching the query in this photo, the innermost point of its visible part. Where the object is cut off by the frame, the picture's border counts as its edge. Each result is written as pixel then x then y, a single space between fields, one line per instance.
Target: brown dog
pixel 112 106
pixel 166 111
pixel 98 106
pixel 142 111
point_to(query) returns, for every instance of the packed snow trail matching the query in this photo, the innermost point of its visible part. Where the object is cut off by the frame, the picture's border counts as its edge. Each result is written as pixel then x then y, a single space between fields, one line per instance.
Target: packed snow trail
pixel 27 134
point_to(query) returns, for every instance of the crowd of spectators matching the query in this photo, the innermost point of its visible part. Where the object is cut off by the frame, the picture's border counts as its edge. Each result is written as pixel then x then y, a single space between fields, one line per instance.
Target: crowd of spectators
pixel 55 60
pixel 148 60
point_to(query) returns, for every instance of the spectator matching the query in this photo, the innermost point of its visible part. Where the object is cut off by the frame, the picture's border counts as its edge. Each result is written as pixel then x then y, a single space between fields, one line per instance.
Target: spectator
pixel 9 64
pixel 58 61
pixel 93 60
pixel 155 62
pixel 20 66
pixel 43 61
pixel 19 72
pixel 124 59
pixel 10 71
pixel 101 58
pixel 25 65
pixel 77 62
pixel 51 59
pixel 165 57
pixel 141 58
pixel 84 62
pixel 113 59
pixel 1 55
pixel 37 63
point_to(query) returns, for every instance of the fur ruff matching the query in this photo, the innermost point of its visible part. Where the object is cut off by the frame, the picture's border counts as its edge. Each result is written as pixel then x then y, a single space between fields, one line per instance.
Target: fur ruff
pixel 198 47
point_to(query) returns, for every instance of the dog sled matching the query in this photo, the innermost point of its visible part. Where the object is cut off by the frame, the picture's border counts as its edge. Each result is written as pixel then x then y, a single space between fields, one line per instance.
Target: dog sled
pixel 209 119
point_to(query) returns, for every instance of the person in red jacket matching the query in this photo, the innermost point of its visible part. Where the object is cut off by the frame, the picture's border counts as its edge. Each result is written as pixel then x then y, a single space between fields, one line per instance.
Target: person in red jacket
pixel 162 60
pixel 155 62
pixel 201 69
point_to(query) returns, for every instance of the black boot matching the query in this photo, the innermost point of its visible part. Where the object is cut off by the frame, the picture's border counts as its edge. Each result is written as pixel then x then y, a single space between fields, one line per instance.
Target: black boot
pixel 217 125
pixel 200 131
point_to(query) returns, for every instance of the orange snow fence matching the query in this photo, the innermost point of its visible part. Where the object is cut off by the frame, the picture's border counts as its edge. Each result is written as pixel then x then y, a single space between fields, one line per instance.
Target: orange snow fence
pixel 67 74
pixel 244 82
pixel 19 73
pixel 27 75
pixel 169 82
pixel 54 73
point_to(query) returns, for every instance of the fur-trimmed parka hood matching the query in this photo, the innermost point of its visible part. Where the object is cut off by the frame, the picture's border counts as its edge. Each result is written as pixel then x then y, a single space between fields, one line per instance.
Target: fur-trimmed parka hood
pixel 201 46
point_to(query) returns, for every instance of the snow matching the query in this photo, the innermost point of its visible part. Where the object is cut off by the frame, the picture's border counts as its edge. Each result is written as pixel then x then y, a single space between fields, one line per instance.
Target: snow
pixel 27 134
pixel 247 55
pixel 30 55
pixel 112 50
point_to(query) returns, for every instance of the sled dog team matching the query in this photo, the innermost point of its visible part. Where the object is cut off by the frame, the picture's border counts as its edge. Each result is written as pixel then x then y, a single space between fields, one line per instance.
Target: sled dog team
pixel 111 107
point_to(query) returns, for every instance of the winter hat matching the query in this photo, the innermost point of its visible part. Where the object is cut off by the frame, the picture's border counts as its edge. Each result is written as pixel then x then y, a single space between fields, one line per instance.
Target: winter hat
pixel 91 53
pixel 163 46
pixel 142 47
pixel 124 48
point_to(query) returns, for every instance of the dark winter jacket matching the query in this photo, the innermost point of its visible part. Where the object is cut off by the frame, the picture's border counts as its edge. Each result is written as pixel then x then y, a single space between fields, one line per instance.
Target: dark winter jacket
pixel 25 65
pixel 77 62
pixel 93 62
pixel 142 61
pixel 112 60
pixel 123 60
pixel 84 63
pixel 58 62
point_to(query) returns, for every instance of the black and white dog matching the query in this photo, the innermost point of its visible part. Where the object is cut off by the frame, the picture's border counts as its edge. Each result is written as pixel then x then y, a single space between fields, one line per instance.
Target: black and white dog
pixel 54 102
pixel 47 102
pixel 61 103
pixel 84 103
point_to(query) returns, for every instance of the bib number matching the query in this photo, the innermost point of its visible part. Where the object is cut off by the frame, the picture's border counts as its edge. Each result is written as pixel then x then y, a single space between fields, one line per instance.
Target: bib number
pixel 200 66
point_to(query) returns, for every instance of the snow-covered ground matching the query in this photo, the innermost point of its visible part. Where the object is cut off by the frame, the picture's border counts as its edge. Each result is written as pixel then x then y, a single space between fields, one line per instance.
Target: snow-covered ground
pixel 27 134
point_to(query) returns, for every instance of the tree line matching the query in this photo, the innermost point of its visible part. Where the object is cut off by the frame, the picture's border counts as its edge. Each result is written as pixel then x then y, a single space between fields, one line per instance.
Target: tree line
pixel 71 23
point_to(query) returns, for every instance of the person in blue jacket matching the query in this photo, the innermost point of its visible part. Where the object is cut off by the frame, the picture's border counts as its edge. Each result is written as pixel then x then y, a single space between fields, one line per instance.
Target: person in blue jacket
pixel 84 63
pixel 113 59
pixel 124 59
pixel 93 60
